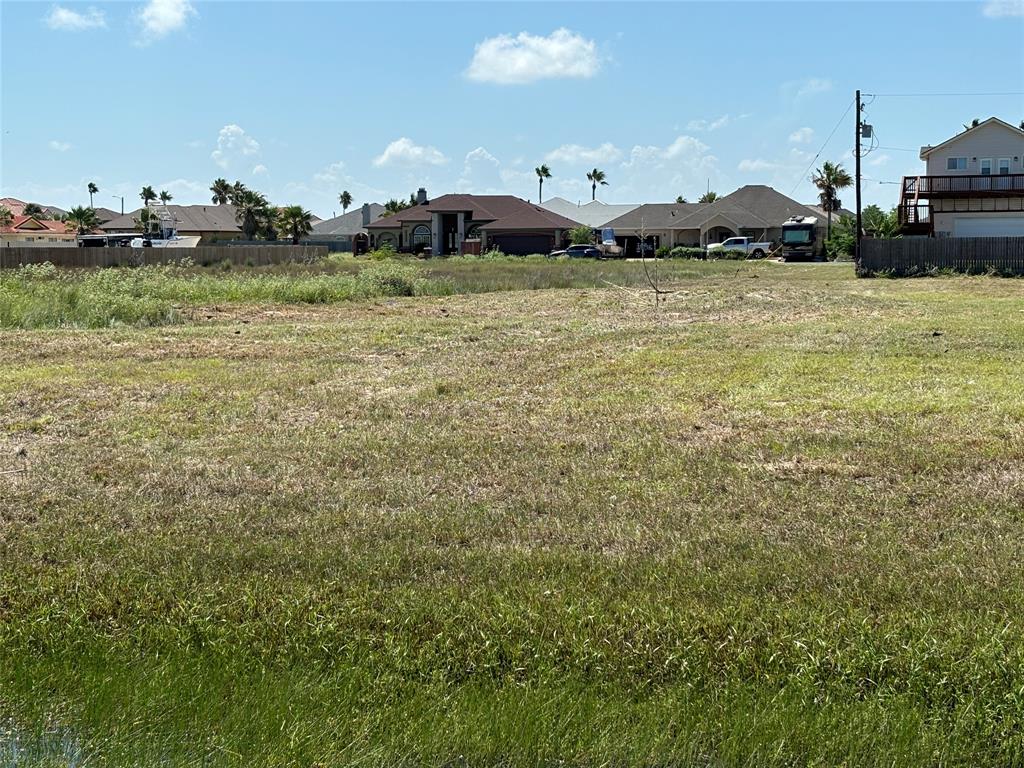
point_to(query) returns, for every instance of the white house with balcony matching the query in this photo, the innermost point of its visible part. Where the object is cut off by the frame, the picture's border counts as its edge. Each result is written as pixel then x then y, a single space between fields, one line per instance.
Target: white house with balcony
pixel 973 185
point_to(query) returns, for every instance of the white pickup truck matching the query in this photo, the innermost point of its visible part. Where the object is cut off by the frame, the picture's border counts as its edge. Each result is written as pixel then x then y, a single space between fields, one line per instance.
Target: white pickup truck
pixel 745 244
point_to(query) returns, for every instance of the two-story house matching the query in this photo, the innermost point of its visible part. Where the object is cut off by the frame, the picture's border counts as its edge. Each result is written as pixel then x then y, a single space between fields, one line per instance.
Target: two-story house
pixel 973 185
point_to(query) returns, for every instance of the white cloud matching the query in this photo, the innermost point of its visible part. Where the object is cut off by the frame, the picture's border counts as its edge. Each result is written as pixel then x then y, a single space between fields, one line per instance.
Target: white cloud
pixel 404 152
pixel 481 174
pixel 708 125
pixel 661 172
pixel 812 86
pixel 59 146
pixel 60 17
pixel 185 190
pixel 159 18
pixel 526 58
pixel 996 9
pixel 801 136
pixel 233 142
pixel 753 166
pixel 573 154
pixel 259 169
pixel 879 160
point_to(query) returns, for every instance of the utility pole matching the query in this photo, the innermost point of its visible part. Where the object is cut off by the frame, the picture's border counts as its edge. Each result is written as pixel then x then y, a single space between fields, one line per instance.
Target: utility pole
pixel 856 154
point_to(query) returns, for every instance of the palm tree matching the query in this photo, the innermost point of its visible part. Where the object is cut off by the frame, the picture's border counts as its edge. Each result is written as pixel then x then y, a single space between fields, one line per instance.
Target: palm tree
pixel 221 191
pixel 543 172
pixel 297 221
pixel 83 218
pixel 236 192
pixel 148 195
pixel 33 209
pixel 165 196
pixel 974 124
pixel 708 197
pixel 596 177
pixel 6 217
pixel 829 179
pixel 93 189
pixel 250 209
pixel 680 199
pixel 268 223
pixel 345 198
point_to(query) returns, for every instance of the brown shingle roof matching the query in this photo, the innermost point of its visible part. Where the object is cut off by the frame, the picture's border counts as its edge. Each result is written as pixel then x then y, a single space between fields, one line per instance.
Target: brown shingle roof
pixel 513 213
pixel 187 218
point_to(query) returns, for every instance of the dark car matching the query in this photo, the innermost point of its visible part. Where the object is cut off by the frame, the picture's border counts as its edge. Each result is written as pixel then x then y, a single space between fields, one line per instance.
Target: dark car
pixel 579 252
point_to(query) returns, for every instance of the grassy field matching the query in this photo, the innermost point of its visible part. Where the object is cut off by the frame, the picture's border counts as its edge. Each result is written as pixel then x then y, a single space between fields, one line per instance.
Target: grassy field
pixel 44 297
pixel 777 523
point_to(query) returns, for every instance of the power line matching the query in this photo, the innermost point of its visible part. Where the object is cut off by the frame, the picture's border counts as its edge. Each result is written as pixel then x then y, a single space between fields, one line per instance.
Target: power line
pixel 815 158
pixel 991 93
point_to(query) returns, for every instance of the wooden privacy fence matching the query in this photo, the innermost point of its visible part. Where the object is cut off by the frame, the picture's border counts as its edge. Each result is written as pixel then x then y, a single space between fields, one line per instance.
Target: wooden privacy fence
pixel 203 256
pixel 921 255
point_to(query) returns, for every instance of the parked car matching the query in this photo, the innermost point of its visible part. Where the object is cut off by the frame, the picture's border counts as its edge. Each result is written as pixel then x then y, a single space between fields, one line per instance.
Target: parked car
pixel 745 244
pixel 579 252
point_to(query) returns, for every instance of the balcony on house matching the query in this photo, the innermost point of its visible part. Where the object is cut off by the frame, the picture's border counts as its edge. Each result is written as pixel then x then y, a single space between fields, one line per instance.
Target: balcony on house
pixel 922 196
pixel 986 185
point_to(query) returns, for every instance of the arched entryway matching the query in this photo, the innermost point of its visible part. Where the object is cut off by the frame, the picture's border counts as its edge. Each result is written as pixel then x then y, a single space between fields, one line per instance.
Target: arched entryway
pixel 718 235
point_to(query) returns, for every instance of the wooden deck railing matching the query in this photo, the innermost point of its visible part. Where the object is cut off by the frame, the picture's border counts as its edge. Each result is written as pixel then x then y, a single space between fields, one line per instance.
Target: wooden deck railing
pixel 963 186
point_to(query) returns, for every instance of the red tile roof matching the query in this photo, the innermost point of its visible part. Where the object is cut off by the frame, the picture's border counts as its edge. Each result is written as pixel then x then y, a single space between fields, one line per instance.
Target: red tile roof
pixel 30 224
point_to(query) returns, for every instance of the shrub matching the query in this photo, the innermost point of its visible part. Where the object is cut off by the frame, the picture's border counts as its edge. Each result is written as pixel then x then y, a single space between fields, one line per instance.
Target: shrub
pixel 389 280
pixel 386 251
pixel 685 252
pixel 732 254
pixel 581 235
pixel 44 271
pixel 663 252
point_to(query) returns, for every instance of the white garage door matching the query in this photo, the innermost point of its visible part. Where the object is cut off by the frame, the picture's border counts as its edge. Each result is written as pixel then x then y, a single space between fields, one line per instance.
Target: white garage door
pixel 988 227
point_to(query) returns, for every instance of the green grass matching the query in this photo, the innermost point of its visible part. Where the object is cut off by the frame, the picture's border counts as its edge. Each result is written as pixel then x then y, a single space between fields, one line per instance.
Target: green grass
pixel 776 523
pixel 41 296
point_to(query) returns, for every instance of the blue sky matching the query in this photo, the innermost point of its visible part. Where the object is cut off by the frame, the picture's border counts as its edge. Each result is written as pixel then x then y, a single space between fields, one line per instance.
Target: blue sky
pixel 302 100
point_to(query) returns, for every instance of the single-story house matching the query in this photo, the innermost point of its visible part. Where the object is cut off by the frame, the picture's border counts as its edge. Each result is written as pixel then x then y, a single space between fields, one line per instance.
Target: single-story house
pixel 756 211
pixel 30 232
pixel 494 221
pixel 210 222
pixel 338 233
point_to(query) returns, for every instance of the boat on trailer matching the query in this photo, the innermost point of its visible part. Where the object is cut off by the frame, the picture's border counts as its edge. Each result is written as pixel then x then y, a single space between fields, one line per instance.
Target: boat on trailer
pixel 165 237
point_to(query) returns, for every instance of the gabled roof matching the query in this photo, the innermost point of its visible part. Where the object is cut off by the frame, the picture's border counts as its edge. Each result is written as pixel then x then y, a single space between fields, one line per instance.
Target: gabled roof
pixel 655 216
pixel 531 217
pixel 481 208
pixel 187 218
pixel 30 224
pixel 754 206
pixel 594 214
pixel 350 223
pixel 927 150
pixel 758 205
pixel 822 214
pixel 105 214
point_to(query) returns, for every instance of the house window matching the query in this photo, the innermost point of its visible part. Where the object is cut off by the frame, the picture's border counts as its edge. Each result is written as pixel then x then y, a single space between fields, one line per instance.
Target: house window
pixel 1004 166
pixel 986 166
pixel 956 163
pixel 421 235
